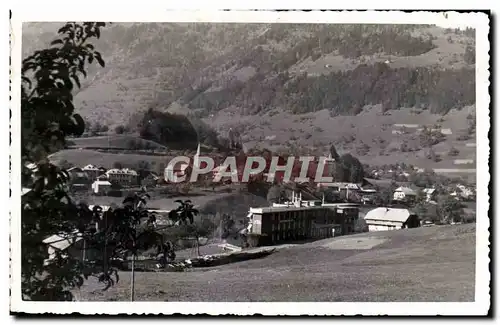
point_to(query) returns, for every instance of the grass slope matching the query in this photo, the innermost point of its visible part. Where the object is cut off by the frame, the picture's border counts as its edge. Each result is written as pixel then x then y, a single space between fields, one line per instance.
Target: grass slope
pixel 114 141
pixel 83 157
pixel 416 265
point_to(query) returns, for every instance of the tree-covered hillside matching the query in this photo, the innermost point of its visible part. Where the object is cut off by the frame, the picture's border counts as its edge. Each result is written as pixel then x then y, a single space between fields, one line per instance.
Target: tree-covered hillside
pixel 204 68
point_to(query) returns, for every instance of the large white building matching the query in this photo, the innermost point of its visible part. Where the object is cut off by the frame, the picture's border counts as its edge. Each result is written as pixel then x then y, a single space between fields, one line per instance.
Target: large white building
pixel 122 177
pixel 381 219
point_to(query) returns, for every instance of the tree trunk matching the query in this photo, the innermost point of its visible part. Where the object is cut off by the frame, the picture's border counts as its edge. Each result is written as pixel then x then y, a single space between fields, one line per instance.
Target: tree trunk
pixel 198 245
pixel 132 279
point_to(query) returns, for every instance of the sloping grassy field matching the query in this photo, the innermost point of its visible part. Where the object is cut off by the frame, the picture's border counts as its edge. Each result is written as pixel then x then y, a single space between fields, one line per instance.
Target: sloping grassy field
pixel 115 141
pixel 425 264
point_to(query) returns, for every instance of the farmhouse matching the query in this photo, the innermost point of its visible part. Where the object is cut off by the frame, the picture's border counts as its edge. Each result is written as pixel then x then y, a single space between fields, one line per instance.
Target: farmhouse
pixel 404 193
pixel 430 194
pixel 381 219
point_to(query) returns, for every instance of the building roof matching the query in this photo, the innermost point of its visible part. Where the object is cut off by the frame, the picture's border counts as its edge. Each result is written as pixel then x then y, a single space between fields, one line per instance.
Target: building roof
pixel 429 190
pixel 351 186
pixel 90 167
pixel 388 214
pixel 405 190
pixel 101 182
pixel 60 242
pixel 121 171
pixel 284 209
pixel 25 190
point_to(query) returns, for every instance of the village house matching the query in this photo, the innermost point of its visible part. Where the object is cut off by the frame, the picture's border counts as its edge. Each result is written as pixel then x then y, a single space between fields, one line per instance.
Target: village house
pixel 92 172
pixel 381 219
pixel 404 193
pixel 464 192
pixel 430 194
pixel 122 177
pixel 101 187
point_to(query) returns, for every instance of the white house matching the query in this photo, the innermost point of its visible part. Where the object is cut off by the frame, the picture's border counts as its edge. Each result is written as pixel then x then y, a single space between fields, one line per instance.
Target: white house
pixel 123 176
pixel 92 172
pixel 463 191
pixel 430 194
pixel 101 186
pixel 381 219
pixel 404 193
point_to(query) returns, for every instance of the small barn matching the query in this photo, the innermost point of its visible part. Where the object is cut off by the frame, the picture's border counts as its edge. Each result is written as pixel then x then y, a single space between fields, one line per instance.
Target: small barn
pixel 381 219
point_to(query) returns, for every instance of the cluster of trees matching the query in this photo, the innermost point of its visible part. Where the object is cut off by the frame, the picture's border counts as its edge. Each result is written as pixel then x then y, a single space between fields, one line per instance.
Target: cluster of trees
pixel 94 129
pixel 348 169
pixel 121 129
pixel 171 130
pixel 48 78
pixel 429 137
pixel 346 92
pixel 342 92
pixel 447 210
pixel 350 41
pixel 470 55
pixel 174 131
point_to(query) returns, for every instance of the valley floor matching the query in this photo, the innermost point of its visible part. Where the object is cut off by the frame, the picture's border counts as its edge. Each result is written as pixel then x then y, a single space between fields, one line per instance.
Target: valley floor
pixel 423 264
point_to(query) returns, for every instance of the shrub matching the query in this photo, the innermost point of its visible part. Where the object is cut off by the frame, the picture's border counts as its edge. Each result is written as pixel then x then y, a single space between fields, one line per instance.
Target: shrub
pixel 120 129
pixel 453 152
